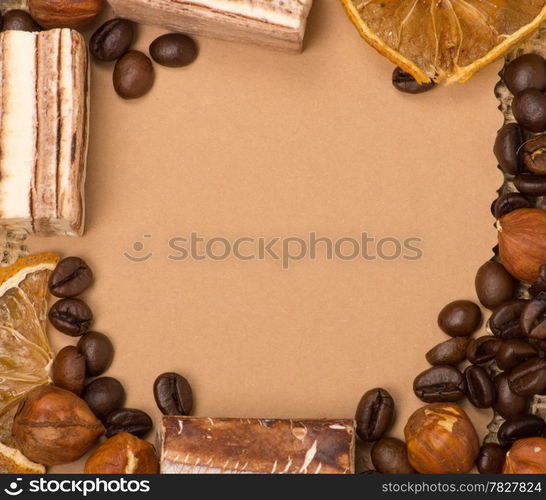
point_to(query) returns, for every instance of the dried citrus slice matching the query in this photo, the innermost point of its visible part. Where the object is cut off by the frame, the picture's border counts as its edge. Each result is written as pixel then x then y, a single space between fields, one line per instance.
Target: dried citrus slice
pixel 25 354
pixel 444 39
pixel 12 461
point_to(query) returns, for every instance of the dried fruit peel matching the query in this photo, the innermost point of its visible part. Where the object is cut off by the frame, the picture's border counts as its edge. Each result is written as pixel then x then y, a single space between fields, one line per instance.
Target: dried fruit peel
pixel 25 354
pixel 444 40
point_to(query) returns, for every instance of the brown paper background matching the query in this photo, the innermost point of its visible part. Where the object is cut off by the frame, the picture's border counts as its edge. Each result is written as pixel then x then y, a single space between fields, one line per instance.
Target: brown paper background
pixel 248 141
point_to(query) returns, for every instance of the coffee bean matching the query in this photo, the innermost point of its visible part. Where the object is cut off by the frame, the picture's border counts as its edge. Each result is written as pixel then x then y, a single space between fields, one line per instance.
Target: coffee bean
pixel 450 352
pixel 128 420
pixel 491 459
pixel 514 352
pixel 534 155
pixel 19 20
pixel 531 185
pixel 460 318
pixel 508 403
pixel 440 384
pixel 370 471
pixel 504 322
pixel 533 318
pixel 509 202
pixel 508 141
pixel 174 50
pixel 404 82
pixel 71 277
pixel 133 75
pixel 539 286
pixel 374 414
pixel 71 316
pixel 494 284
pixel 68 370
pixel 529 108
pixel 528 378
pixel 112 40
pixel 479 387
pixel 104 395
pixel 526 72
pixel 520 427
pixel 98 352
pixel 483 349
pixel 173 394
pixel 390 456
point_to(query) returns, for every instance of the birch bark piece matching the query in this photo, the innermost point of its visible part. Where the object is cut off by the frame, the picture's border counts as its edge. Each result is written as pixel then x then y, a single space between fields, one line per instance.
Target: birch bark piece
pixel 278 24
pixel 44 103
pixel 6 5
pixel 536 44
pixel 256 446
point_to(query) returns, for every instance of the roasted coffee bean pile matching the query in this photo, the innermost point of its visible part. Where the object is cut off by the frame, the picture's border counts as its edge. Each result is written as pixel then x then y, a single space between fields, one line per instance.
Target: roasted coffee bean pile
pixel 134 72
pixel 75 367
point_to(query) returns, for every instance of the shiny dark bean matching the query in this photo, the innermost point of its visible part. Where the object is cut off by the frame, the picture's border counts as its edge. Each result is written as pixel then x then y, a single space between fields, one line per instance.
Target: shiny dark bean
pixel 531 185
pixel 440 384
pixel 520 427
pixel 529 108
pixel 374 414
pixel 483 349
pixel 494 285
pixel 504 322
pixel 513 352
pixel 133 75
pixel 390 456
pixel 104 395
pixel 112 40
pixel 480 389
pixel 507 403
pixel 534 155
pixel 173 394
pixel 491 459
pixel 539 286
pixel 68 370
pixel 509 139
pixel 404 82
pixel 533 318
pixel 526 72
pixel 98 352
pixel 71 277
pixel 528 378
pixel 460 318
pixel 19 20
pixel 509 202
pixel 129 420
pixel 71 316
pixel 450 352
pixel 174 50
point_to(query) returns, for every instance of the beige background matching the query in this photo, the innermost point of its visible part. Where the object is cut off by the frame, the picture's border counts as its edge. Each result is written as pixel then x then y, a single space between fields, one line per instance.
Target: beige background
pixel 251 142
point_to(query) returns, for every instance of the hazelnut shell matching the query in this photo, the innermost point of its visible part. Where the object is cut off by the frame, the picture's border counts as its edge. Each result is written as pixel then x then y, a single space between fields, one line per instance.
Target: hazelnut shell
pixel 123 454
pixel 522 242
pixel 441 440
pixel 65 13
pixel 527 456
pixel 54 426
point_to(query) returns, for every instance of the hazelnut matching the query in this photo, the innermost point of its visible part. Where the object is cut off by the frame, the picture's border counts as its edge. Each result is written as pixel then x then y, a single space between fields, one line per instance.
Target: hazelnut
pixel 522 242
pixel 123 454
pixel 54 426
pixel 441 440
pixel 68 370
pixel 527 456
pixel 65 13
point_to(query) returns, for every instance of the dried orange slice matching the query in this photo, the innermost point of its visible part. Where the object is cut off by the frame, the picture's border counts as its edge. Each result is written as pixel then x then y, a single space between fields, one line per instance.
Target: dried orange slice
pixel 25 354
pixel 12 461
pixel 444 39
